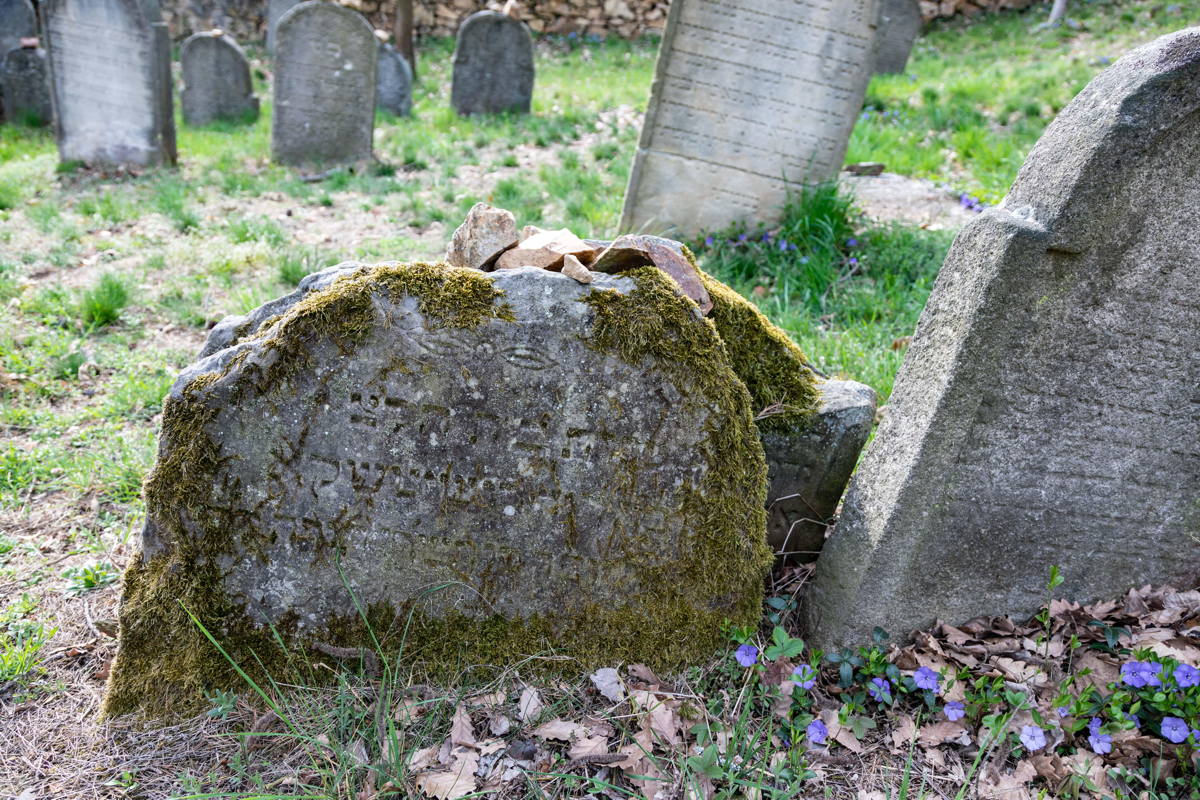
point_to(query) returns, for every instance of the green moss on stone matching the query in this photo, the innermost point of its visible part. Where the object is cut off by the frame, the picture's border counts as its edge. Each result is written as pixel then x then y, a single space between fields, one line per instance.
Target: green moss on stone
pixel 165 663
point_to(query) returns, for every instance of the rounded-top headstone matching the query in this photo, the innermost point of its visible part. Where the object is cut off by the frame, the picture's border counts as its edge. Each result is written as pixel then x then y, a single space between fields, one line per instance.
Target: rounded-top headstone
pixel 275 11
pixel 25 86
pixel 900 23
pixel 324 100
pixel 17 21
pixel 493 65
pixel 393 86
pixel 216 80
pixel 1046 414
pixel 484 465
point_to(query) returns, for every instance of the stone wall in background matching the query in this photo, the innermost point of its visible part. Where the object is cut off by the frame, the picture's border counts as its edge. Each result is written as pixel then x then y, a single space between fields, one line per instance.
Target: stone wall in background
pixel 627 18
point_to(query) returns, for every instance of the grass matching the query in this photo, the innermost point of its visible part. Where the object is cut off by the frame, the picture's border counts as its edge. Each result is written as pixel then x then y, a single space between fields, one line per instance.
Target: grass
pixel 108 284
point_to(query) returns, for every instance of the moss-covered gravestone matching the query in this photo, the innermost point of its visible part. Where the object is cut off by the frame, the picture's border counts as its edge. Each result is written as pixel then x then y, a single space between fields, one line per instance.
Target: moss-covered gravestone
pixel 484 466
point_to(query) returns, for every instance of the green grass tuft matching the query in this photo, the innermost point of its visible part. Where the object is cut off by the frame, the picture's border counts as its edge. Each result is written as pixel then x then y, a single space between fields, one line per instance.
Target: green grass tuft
pixel 102 304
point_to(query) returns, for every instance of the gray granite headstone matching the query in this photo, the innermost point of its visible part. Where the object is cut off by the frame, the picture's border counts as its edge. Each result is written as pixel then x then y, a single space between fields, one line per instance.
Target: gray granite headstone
pixel 393 84
pixel 111 82
pixel 25 86
pixel 17 21
pixel 750 101
pixel 1048 410
pixel 480 450
pixel 275 11
pixel 324 102
pixel 493 65
pixel 216 80
pixel 899 25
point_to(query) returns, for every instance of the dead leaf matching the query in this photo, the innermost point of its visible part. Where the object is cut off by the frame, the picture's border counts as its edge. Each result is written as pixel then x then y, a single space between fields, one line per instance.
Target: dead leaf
pixel 842 735
pixel 458 781
pixel 644 674
pixel 498 723
pixel 422 759
pixel 588 746
pixel 658 716
pixel 462 732
pixel 609 684
pixel 904 734
pixel 561 730
pixel 488 700
pixel 529 707
pixel 936 733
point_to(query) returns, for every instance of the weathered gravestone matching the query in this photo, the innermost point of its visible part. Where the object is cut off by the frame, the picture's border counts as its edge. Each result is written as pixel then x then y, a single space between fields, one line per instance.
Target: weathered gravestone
pixel 1047 412
pixel 493 65
pixel 899 25
pixel 517 459
pixel 25 86
pixel 111 81
pixel 216 80
pixel 324 108
pixel 750 101
pixel 393 82
pixel 17 21
pixel 275 11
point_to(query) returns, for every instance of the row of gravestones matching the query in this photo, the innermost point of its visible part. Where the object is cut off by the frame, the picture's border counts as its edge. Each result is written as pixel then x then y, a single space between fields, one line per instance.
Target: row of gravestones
pixel 498 462
pixel 110 78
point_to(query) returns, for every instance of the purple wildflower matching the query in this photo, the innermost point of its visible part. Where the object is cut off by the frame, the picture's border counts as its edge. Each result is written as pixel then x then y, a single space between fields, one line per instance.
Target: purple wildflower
pixel 954 711
pixel 1135 719
pixel 816 732
pixel 783 244
pixel 1141 673
pixel 804 676
pixel 766 237
pixel 1101 743
pixel 1062 712
pixel 1186 676
pixel 1175 730
pixel 708 241
pixel 803 259
pixel 742 237
pixel 1033 737
pixel 853 260
pixel 880 690
pixel 852 242
pixel 926 679
pixel 746 655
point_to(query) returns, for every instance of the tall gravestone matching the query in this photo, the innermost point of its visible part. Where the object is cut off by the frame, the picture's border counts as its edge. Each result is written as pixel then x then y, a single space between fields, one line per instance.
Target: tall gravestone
pixel 1048 410
pixel 275 11
pixel 393 82
pixel 216 80
pixel 493 65
pixel 25 86
pixel 482 462
pixel 110 64
pixel 899 25
pixel 17 21
pixel 750 100
pixel 324 103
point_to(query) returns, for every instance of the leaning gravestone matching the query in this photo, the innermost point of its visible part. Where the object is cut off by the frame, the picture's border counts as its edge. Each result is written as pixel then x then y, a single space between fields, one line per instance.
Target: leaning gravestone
pixel 275 11
pixel 324 108
pixel 25 87
pixel 493 65
pixel 1047 412
pixel 750 101
pixel 111 80
pixel 393 82
pixel 430 441
pixel 17 21
pixel 899 25
pixel 216 80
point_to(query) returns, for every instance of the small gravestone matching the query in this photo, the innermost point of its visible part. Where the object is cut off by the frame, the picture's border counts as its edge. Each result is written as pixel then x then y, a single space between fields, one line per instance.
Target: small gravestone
pixel 749 103
pixel 17 21
pixel 393 83
pixel 25 87
pixel 111 82
pixel 1047 413
pixel 493 65
pixel 324 106
pixel 899 25
pixel 216 80
pixel 485 464
pixel 275 11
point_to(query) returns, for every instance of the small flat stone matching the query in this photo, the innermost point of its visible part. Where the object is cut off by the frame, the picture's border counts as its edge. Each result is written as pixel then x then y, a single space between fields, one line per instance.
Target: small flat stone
pixel 870 168
pixel 630 251
pixel 485 234
pixel 525 257
pixel 573 268
pixel 560 241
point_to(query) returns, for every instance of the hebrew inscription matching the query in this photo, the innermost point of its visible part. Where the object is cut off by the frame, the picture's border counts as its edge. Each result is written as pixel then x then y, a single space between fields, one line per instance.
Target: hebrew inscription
pixel 750 99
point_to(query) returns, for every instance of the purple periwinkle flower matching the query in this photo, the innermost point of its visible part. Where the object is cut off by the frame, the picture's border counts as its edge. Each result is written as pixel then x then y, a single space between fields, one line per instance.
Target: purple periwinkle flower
pixel 853 260
pixel 708 241
pixel 880 690
pixel 804 676
pixel 1101 743
pixel 1135 719
pixel 1062 712
pixel 766 237
pixel 1033 737
pixel 1187 676
pixel 852 242
pixel 926 679
pixel 816 732
pixel 746 655
pixel 954 711
pixel 783 244
pixel 742 237
pixel 1175 730
pixel 1141 673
